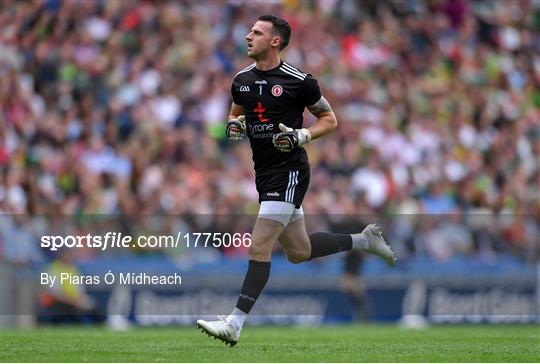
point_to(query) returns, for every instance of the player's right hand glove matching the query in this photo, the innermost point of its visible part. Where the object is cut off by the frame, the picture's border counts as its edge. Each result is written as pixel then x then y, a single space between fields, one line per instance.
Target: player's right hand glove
pixel 236 128
pixel 290 138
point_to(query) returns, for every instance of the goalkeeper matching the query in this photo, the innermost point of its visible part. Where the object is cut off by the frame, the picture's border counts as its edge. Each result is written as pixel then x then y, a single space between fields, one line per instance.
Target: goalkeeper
pixel 269 98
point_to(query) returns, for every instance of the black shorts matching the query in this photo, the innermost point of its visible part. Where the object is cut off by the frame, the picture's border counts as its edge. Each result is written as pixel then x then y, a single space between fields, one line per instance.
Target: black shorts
pixel 287 186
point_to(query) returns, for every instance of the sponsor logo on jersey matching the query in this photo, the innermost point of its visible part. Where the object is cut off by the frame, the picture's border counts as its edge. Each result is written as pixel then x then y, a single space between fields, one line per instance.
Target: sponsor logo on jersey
pixel 261 82
pixel 244 88
pixel 277 90
pixel 255 128
pixel 274 194
pixel 261 131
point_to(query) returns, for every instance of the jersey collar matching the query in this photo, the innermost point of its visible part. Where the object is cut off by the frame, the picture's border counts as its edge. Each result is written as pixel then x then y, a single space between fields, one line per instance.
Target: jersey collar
pixel 270 70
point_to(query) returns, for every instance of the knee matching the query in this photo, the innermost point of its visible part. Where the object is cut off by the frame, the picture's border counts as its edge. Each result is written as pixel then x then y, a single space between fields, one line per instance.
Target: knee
pixel 259 252
pixel 298 257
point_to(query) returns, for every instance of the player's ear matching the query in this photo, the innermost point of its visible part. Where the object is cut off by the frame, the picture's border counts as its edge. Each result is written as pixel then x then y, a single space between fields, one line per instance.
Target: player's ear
pixel 276 40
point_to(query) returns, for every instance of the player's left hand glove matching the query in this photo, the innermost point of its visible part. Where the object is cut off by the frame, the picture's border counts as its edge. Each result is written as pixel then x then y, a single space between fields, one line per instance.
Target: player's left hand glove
pixel 290 138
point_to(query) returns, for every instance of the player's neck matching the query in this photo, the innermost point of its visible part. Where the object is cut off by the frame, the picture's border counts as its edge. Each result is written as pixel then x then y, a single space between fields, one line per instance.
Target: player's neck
pixel 268 63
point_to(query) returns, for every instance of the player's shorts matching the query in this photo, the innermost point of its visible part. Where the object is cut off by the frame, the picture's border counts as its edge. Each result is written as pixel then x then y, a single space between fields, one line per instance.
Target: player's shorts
pixel 288 186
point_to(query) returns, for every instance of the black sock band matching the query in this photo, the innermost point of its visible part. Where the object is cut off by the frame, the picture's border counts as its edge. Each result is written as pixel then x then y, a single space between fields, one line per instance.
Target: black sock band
pixel 323 244
pixel 254 282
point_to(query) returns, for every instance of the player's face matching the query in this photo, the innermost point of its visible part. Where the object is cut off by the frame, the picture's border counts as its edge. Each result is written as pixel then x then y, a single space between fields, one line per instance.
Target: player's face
pixel 260 40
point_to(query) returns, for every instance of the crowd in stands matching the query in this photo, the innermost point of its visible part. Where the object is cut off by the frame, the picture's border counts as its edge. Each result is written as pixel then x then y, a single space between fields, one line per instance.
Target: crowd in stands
pixel 118 107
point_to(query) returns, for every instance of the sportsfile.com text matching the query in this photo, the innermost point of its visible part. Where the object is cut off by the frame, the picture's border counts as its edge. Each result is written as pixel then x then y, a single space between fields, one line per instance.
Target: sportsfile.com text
pixel 120 240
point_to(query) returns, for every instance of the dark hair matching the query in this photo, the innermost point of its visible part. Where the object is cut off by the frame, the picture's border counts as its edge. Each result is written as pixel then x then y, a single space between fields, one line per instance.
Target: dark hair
pixel 280 27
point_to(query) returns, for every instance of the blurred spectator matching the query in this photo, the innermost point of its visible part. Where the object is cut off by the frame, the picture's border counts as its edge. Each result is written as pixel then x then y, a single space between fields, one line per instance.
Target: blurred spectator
pixel 66 300
pixel 19 257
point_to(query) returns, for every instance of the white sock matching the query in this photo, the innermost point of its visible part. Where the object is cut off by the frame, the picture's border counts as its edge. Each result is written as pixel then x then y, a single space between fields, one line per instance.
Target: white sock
pixel 359 241
pixel 237 318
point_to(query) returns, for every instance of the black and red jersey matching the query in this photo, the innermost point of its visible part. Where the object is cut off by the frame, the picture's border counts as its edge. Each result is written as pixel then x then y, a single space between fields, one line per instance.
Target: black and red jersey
pixel 271 97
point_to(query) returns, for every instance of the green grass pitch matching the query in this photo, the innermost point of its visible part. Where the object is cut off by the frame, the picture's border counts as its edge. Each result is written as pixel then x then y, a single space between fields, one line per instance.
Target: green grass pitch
pixel 362 343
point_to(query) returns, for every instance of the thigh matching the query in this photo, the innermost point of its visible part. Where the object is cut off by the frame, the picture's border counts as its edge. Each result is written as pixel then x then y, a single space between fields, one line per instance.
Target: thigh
pixel 263 238
pixel 294 239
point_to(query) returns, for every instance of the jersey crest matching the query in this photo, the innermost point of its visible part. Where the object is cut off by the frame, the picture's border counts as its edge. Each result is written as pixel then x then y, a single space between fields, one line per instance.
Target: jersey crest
pixel 277 90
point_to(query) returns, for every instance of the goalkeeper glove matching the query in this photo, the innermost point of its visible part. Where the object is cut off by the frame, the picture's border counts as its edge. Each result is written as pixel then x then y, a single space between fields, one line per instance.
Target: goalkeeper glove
pixel 290 138
pixel 236 128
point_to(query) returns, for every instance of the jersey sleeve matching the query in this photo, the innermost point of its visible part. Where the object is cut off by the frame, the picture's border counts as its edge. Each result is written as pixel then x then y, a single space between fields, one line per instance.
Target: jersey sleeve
pixel 235 95
pixel 311 93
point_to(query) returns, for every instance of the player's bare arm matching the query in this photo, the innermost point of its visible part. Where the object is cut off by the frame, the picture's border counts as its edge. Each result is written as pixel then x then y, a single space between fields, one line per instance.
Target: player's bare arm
pixel 236 111
pixel 289 138
pixel 326 119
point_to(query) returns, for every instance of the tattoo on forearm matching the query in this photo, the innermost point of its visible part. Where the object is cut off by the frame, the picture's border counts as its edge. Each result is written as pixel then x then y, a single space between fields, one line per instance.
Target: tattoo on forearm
pixel 320 107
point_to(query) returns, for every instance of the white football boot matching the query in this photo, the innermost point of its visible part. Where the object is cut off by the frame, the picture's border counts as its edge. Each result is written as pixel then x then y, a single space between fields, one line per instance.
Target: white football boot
pixel 375 244
pixel 221 329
